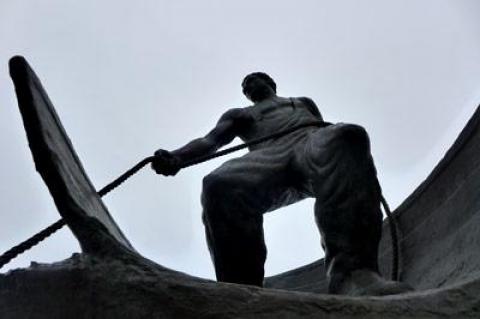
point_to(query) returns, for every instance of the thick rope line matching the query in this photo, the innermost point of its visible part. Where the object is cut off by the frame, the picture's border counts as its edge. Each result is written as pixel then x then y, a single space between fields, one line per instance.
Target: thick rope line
pixel 12 253
pixel 29 243
pixel 394 237
pixel 259 140
pixel 122 178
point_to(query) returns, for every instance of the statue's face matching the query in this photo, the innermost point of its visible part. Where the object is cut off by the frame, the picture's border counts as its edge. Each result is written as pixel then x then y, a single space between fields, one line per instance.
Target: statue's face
pixel 256 89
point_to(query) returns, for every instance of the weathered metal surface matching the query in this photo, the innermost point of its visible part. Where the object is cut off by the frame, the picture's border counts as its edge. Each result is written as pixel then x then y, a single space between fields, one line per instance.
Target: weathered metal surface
pixel 439 225
pixel 58 164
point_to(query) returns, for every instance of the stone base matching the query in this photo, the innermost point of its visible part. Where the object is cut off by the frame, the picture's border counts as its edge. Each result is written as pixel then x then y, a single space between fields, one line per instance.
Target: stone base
pixel 90 287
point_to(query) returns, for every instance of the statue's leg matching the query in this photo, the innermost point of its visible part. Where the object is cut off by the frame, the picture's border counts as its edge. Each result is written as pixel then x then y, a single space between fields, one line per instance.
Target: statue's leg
pixel 234 198
pixel 340 168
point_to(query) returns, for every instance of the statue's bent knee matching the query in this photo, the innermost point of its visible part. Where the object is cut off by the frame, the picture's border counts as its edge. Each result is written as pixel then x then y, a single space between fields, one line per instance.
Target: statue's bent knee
pixel 216 187
pixel 219 194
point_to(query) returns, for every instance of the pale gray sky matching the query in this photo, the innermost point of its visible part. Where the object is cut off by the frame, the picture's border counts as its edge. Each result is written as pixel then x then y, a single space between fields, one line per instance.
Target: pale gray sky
pixel 128 77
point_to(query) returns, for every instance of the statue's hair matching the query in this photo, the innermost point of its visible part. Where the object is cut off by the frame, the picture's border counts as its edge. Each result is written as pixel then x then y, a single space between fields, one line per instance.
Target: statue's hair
pixel 263 76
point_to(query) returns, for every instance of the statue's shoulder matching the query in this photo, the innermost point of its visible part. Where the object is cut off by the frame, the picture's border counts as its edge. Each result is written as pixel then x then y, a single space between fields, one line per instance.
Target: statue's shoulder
pixel 305 100
pixel 238 114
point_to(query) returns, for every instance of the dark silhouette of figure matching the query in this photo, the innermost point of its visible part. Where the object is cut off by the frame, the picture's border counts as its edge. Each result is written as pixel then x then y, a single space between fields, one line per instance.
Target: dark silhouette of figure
pixel 333 164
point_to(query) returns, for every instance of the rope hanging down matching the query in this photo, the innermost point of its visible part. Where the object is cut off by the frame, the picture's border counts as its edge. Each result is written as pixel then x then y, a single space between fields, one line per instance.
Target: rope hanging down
pixel 12 253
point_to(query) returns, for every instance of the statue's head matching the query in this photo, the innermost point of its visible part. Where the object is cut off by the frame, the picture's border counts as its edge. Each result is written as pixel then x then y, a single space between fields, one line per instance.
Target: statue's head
pixel 258 85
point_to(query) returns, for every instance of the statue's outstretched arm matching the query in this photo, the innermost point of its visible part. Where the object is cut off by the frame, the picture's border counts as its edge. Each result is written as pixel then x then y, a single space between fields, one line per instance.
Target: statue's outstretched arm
pixel 224 132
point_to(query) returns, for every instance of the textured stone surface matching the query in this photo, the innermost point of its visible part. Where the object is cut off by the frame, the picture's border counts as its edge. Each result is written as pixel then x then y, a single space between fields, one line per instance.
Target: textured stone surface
pixel 439 224
pixel 89 287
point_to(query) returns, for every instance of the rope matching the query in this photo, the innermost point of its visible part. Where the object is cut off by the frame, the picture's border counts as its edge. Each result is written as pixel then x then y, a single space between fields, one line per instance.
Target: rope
pixel 394 236
pixel 29 243
pixel 12 253
pixel 122 178
pixel 259 140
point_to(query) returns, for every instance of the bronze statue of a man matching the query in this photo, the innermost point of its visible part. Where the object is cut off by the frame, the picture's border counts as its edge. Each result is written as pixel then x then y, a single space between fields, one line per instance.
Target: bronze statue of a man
pixel 333 164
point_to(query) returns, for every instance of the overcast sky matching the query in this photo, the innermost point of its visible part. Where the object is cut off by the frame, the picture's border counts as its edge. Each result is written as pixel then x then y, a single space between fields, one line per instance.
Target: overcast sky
pixel 128 77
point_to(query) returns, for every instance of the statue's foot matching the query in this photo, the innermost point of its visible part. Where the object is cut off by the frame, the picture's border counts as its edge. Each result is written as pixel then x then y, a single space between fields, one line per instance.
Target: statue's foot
pixel 366 283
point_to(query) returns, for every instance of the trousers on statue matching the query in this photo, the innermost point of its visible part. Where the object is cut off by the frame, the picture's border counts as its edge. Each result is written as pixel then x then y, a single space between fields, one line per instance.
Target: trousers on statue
pixel 332 164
